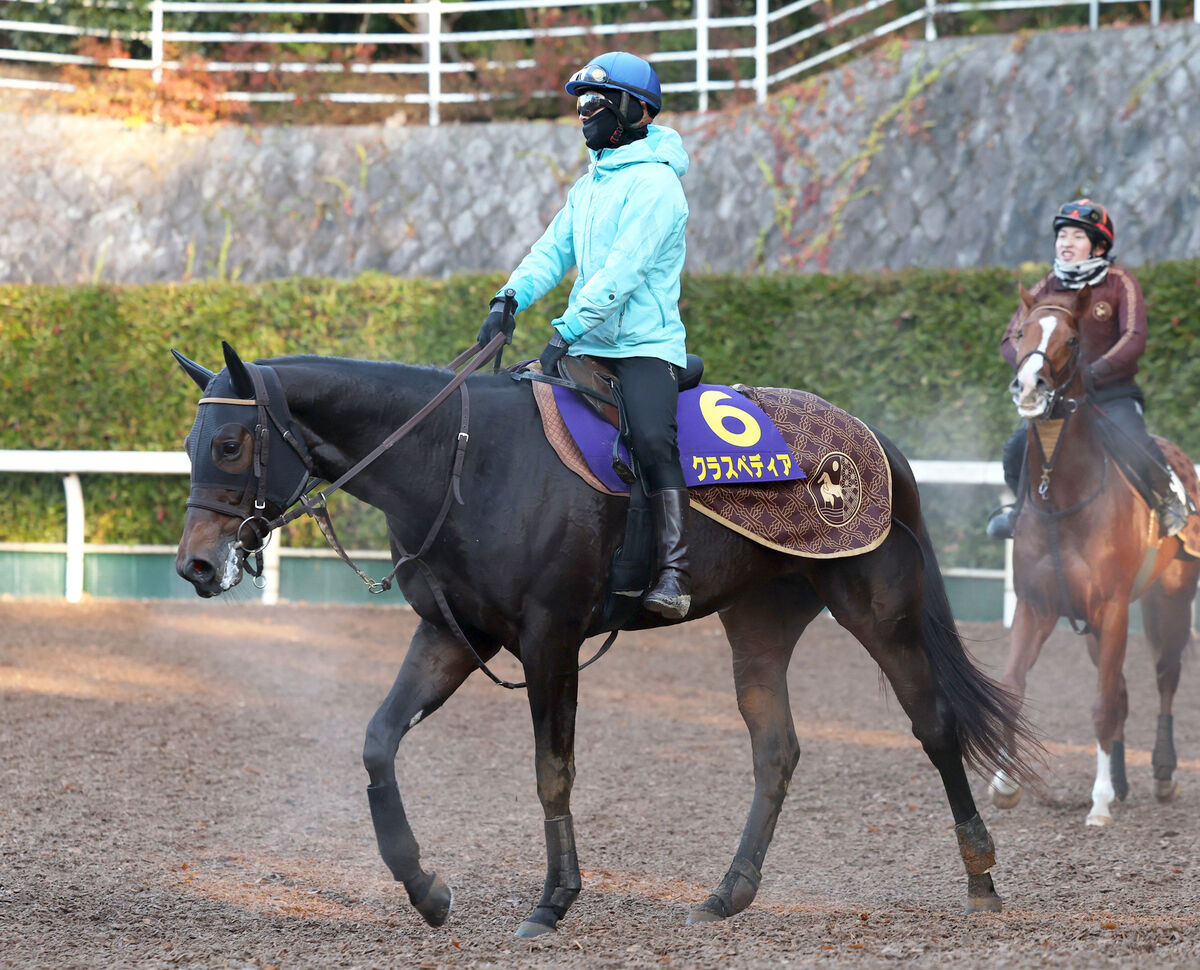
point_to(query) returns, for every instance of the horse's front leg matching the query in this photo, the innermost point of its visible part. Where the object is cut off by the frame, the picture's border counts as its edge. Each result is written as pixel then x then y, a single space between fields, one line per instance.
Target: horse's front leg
pixel 1116 749
pixel 551 670
pixel 1030 630
pixel 1108 713
pixel 434 667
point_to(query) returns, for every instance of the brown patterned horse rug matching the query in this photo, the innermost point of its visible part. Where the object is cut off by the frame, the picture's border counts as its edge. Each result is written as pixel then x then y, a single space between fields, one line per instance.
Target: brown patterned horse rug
pixel 842 508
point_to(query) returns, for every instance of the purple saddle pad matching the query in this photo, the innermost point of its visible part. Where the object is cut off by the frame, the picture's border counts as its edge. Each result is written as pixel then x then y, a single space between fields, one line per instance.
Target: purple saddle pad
pixel 724 438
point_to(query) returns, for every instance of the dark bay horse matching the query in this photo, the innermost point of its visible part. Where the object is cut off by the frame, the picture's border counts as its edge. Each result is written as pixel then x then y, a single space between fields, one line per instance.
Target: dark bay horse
pixel 514 554
pixel 1086 545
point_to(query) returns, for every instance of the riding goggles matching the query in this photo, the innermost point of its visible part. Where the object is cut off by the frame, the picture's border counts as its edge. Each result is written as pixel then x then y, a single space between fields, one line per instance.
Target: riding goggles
pixel 1085 211
pixel 590 102
pixel 593 74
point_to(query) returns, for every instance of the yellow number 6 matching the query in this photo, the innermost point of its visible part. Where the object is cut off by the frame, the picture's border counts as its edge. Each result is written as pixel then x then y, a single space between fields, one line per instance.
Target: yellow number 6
pixel 716 414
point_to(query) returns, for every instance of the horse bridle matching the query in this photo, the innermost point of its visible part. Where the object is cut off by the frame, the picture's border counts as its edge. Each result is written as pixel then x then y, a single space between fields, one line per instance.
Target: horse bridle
pixel 1057 394
pixel 251 509
pixel 273 423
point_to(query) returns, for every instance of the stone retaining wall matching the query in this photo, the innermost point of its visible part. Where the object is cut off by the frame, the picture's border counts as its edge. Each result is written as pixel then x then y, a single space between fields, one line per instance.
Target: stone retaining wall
pixel 947 154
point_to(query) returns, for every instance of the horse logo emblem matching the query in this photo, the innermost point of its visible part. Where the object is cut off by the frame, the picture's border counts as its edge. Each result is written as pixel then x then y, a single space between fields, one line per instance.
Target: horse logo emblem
pixel 1101 311
pixel 836 488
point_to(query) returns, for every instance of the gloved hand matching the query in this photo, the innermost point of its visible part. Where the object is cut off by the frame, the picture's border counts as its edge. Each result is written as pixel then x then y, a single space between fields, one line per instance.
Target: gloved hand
pixel 500 319
pixel 555 351
pixel 1095 373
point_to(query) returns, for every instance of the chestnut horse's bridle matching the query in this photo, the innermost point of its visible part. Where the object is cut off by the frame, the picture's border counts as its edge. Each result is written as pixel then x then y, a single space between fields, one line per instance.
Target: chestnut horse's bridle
pixel 1062 378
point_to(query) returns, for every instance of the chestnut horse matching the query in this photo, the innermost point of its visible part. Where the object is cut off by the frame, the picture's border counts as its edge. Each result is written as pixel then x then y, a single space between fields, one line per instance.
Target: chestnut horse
pixel 1086 545
pixel 513 552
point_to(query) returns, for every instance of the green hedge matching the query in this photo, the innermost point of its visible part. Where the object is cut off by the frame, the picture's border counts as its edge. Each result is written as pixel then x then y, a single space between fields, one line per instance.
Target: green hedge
pixel 914 353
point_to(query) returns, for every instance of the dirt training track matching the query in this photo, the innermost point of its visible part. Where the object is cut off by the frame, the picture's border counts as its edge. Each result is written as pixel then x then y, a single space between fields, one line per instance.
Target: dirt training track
pixel 180 785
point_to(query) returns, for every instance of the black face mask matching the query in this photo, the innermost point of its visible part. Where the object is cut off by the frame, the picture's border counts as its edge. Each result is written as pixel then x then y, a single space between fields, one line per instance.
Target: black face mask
pixel 603 130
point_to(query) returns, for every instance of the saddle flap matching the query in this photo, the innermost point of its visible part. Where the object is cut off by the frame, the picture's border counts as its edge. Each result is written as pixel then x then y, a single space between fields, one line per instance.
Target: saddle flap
pixel 592 373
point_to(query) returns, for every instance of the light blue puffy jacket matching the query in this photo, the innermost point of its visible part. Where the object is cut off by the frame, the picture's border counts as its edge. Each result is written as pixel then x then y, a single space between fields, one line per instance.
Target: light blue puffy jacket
pixel 622 225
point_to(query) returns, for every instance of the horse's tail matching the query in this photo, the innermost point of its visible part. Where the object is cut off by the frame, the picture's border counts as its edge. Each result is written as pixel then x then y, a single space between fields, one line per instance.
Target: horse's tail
pixel 985 711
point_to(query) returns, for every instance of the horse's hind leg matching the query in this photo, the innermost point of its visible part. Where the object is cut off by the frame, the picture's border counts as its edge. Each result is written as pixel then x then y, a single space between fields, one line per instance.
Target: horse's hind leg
pixel 434 667
pixel 883 610
pixel 1167 611
pixel 762 628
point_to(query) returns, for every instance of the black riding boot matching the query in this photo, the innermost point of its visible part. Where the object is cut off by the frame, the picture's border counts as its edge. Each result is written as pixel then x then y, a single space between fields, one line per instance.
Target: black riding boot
pixel 671 594
pixel 1003 521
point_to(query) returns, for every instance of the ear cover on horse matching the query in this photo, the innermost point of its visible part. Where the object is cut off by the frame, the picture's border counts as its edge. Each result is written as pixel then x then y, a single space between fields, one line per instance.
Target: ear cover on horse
pixel 199 374
pixel 242 382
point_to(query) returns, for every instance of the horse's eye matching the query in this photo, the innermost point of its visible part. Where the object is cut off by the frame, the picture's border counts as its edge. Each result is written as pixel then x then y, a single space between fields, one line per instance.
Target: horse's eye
pixel 1020 333
pixel 1073 342
pixel 230 449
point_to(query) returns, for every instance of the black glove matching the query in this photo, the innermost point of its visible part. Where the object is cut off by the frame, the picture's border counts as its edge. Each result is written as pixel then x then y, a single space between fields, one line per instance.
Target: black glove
pixel 1095 373
pixel 500 319
pixel 555 351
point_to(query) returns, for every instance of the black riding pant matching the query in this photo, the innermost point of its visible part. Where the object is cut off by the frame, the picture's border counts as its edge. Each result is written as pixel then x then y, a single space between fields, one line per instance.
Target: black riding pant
pixel 650 389
pixel 1131 444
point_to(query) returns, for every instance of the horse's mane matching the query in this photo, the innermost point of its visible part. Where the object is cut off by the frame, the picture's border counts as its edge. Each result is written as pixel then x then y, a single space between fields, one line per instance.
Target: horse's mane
pixel 349 376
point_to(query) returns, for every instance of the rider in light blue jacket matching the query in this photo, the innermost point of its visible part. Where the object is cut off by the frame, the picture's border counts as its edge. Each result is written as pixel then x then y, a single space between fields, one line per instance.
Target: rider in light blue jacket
pixel 623 227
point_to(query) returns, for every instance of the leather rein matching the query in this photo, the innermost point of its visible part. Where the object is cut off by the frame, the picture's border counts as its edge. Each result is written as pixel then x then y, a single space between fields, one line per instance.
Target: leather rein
pixel 471 360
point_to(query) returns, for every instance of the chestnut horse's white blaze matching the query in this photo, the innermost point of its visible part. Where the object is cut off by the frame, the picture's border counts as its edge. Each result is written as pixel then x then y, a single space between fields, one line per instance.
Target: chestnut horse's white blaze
pixel 1031 400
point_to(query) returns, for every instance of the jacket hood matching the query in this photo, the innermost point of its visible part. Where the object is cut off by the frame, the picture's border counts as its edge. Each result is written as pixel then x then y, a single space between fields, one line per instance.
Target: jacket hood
pixel 661 144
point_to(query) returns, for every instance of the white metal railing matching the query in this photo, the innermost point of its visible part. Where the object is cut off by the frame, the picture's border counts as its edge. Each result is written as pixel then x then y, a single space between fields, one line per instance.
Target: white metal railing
pixel 72 464
pixel 426 46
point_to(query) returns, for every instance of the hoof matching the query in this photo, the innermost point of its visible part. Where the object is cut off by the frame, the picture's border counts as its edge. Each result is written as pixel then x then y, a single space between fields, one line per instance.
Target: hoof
pixel 985 904
pixel 435 907
pixel 1166 791
pixel 1004 799
pixel 700 914
pixel 530 930
pixel 1100 820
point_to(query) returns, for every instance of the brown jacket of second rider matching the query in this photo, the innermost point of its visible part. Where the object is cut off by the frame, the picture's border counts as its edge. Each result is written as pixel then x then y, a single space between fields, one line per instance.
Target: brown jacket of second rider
pixel 1112 334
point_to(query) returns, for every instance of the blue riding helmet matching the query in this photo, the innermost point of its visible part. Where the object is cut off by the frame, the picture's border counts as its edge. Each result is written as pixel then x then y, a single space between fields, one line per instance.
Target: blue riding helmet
pixel 620 71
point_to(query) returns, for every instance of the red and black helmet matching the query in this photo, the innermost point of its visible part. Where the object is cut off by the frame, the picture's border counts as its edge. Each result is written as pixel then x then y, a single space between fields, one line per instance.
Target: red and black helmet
pixel 1089 216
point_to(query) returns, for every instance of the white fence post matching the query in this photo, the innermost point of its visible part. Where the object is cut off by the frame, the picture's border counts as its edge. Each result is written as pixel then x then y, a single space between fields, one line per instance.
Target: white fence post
pixel 435 61
pixel 702 52
pixel 1009 609
pixel 270 575
pixel 930 24
pixel 156 39
pixel 74 579
pixel 761 24
pixel 1094 15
